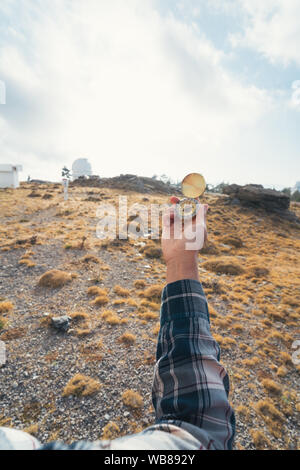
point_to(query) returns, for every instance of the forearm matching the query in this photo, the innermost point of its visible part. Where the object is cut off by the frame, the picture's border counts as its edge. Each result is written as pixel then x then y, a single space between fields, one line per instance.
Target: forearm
pixel 190 385
pixel 183 268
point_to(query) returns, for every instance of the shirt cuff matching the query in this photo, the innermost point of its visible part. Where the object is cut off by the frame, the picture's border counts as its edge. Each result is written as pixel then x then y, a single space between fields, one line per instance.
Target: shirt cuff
pixel 183 299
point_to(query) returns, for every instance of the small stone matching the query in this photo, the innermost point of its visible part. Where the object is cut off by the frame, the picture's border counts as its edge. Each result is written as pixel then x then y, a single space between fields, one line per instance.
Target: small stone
pixel 107 417
pixel 61 323
pixel 126 414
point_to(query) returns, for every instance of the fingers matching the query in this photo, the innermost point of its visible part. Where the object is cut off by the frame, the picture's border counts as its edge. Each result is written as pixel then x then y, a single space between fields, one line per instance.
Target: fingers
pixel 168 217
pixel 174 200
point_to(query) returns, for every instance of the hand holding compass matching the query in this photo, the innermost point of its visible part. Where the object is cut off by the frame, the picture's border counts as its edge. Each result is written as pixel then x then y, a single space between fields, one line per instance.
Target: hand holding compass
pixel 193 186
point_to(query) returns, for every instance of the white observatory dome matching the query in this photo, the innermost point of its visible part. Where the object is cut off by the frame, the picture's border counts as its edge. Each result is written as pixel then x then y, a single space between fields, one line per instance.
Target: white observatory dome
pixel 81 167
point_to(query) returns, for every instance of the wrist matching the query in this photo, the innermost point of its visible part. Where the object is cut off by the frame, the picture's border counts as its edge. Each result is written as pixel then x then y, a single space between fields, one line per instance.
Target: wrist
pixel 184 267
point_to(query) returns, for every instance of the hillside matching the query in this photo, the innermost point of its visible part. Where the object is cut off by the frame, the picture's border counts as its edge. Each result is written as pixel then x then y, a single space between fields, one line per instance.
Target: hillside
pixel 94 381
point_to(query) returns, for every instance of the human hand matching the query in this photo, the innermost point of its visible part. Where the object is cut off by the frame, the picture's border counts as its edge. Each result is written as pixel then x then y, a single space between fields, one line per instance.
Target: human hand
pixel 181 242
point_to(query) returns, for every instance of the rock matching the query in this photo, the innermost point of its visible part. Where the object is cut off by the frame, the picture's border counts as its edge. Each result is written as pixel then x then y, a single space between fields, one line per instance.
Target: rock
pixel 136 183
pixel 2 354
pixel 61 323
pixel 255 195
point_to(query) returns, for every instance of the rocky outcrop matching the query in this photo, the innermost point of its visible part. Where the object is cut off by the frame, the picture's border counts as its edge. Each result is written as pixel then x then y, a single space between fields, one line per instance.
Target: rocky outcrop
pixel 254 195
pixel 140 184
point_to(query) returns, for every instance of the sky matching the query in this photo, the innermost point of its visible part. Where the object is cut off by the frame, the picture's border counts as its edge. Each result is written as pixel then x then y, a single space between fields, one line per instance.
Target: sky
pixel 152 87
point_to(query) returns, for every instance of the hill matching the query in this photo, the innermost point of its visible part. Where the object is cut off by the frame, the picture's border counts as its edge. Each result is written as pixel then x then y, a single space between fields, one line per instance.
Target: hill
pixel 94 380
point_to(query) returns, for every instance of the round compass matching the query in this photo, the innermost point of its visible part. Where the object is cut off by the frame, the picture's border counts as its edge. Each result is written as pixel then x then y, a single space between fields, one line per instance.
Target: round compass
pixel 187 208
pixel 193 186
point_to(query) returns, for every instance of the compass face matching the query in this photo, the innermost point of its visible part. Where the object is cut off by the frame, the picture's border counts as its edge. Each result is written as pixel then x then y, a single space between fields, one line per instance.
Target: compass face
pixel 187 208
pixel 193 185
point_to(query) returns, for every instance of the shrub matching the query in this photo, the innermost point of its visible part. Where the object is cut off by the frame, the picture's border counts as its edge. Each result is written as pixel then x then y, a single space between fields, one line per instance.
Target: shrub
pixel 101 300
pixel 258 271
pixel 223 266
pixel 153 252
pixel 90 259
pixel 127 338
pixel 140 284
pixel 80 385
pixel 271 386
pixel 122 292
pixel 6 307
pixel 110 431
pixel 153 292
pixel 236 242
pixel 94 290
pixel 3 323
pixel 13 333
pixel 260 440
pixel 132 399
pixel 54 279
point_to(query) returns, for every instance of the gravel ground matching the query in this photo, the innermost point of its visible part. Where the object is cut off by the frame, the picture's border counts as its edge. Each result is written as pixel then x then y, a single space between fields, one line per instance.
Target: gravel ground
pixel 41 360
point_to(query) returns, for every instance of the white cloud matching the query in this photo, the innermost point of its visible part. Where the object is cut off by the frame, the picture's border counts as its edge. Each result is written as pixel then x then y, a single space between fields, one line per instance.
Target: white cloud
pixel 272 28
pixel 295 99
pixel 119 84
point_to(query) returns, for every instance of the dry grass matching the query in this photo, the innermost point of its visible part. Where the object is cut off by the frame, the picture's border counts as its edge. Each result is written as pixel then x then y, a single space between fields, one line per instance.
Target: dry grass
pixel 271 386
pixel 260 441
pixel 273 418
pixel 140 284
pixel 121 291
pixel 112 319
pixel 153 292
pixel 13 333
pixel 6 307
pixel 81 386
pixel 110 431
pixel 96 291
pixel 224 266
pixel 55 279
pixel 3 323
pixel 132 399
pixel 127 338
pixel 153 252
pixel 100 300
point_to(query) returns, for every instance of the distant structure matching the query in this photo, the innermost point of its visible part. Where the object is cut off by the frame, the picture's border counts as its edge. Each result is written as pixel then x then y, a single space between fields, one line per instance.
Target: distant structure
pixel 296 187
pixel 81 167
pixel 9 176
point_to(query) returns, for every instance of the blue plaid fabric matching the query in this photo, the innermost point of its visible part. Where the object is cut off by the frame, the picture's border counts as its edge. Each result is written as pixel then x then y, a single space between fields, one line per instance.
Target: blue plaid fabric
pixel 190 387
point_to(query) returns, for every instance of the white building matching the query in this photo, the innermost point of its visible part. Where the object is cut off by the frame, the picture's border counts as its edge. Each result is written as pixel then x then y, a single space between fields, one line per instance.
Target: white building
pixel 81 167
pixel 9 176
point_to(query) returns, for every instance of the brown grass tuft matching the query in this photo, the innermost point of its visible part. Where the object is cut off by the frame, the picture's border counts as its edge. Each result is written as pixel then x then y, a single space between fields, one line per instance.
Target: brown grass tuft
pixel 100 300
pixel 271 386
pixel 6 307
pixel 121 291
pixel 132 399
pixel 153 292
pixel 224 266
pixel 127 338
pixel 260 440
pixel 140 284
pixel 81 385
pixel 110 431
pixel 54 279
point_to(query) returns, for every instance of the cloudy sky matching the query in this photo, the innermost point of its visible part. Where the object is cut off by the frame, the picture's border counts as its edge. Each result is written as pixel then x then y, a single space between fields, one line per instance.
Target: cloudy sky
pixel 151 87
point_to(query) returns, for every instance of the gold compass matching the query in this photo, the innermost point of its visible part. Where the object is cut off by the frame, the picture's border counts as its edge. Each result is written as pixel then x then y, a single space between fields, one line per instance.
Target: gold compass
pixel 193 186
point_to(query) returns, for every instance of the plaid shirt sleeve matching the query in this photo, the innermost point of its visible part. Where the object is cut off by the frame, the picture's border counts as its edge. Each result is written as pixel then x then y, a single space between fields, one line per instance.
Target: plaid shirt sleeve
pixel 190 388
